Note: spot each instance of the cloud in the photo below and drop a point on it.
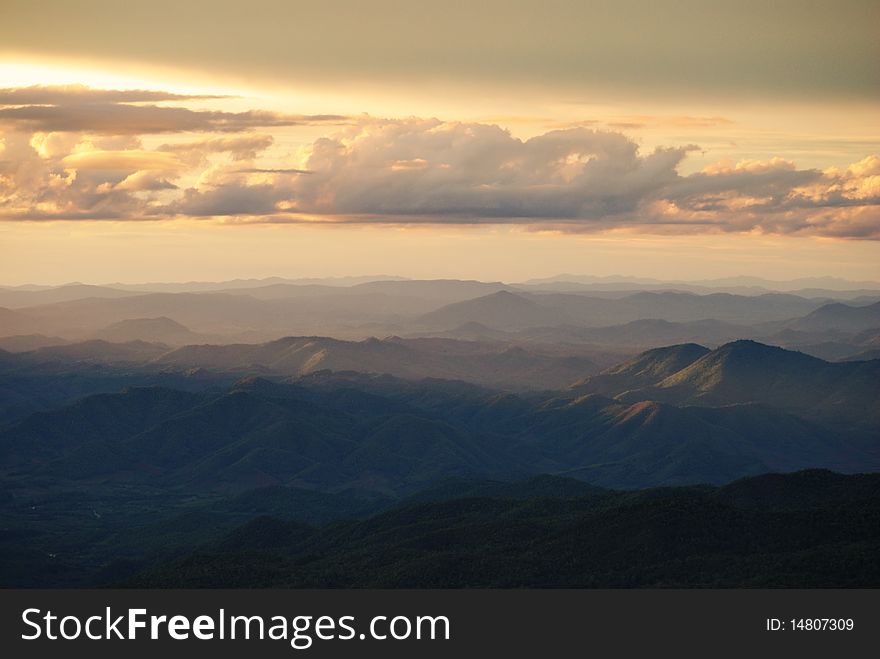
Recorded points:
(263, 170)
(674, 121)
(81, 94)
(46, 177)
(576, 179)
(230, 199)
(121, 119)
(76, 153)
(413, 170)
(129, 160)
(112, 112)
(465, 171)
(143, 181)
(244, 147)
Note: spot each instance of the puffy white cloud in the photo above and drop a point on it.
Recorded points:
(457, 172)
(143, 181)
(472, 171)
(425, 170)
(45, 177)
(127, 160)
(241, 147)
(576, 179)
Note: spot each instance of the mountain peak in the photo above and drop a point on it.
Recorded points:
(160, 321)
(840, 316)
(159, 329)
(499, 310)
(746, 349)
(658, 361)
(643, 370)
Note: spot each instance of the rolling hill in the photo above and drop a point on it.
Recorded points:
(387, 435)
(139, 459)
(684, 537)
(154, 330)
(501, 310)
(17, 298)
(743, 372)
(644, 370)
(506, 310)
(747, 371)
(97, 351)
(15, 323)
(28, 342)
(839, 316)
(484, 363)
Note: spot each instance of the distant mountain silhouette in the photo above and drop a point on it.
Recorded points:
(155, 330)
(16, 298)
(248, 311)
(643, 333)
(501, 310)
(99, 351)
(507, 310)
(414, 358)
(469, 331)
(652, 331)
(838, 316)
(27, 342)
(15, 323)
(444, 290)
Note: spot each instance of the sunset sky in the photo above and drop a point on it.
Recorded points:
(170, 141)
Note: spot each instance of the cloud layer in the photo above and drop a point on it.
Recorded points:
(575, 179)
(71, 153)
(81, 94)
(125, 112)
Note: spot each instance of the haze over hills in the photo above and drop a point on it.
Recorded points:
(196, 286)
(844, 317)
(498, 311)
(137, 427)
(397, 294)
(805, 286)
(17, 298)
(486, 363)
(158, 330)
(28, 342)
(519, 310)
(758, 408)
(232, 284)
(255, 311)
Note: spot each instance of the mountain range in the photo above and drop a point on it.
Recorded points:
(255, 312)
(679, 537)
(670, 416)
(495, 435)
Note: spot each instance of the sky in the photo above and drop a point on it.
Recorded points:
(171, 141)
